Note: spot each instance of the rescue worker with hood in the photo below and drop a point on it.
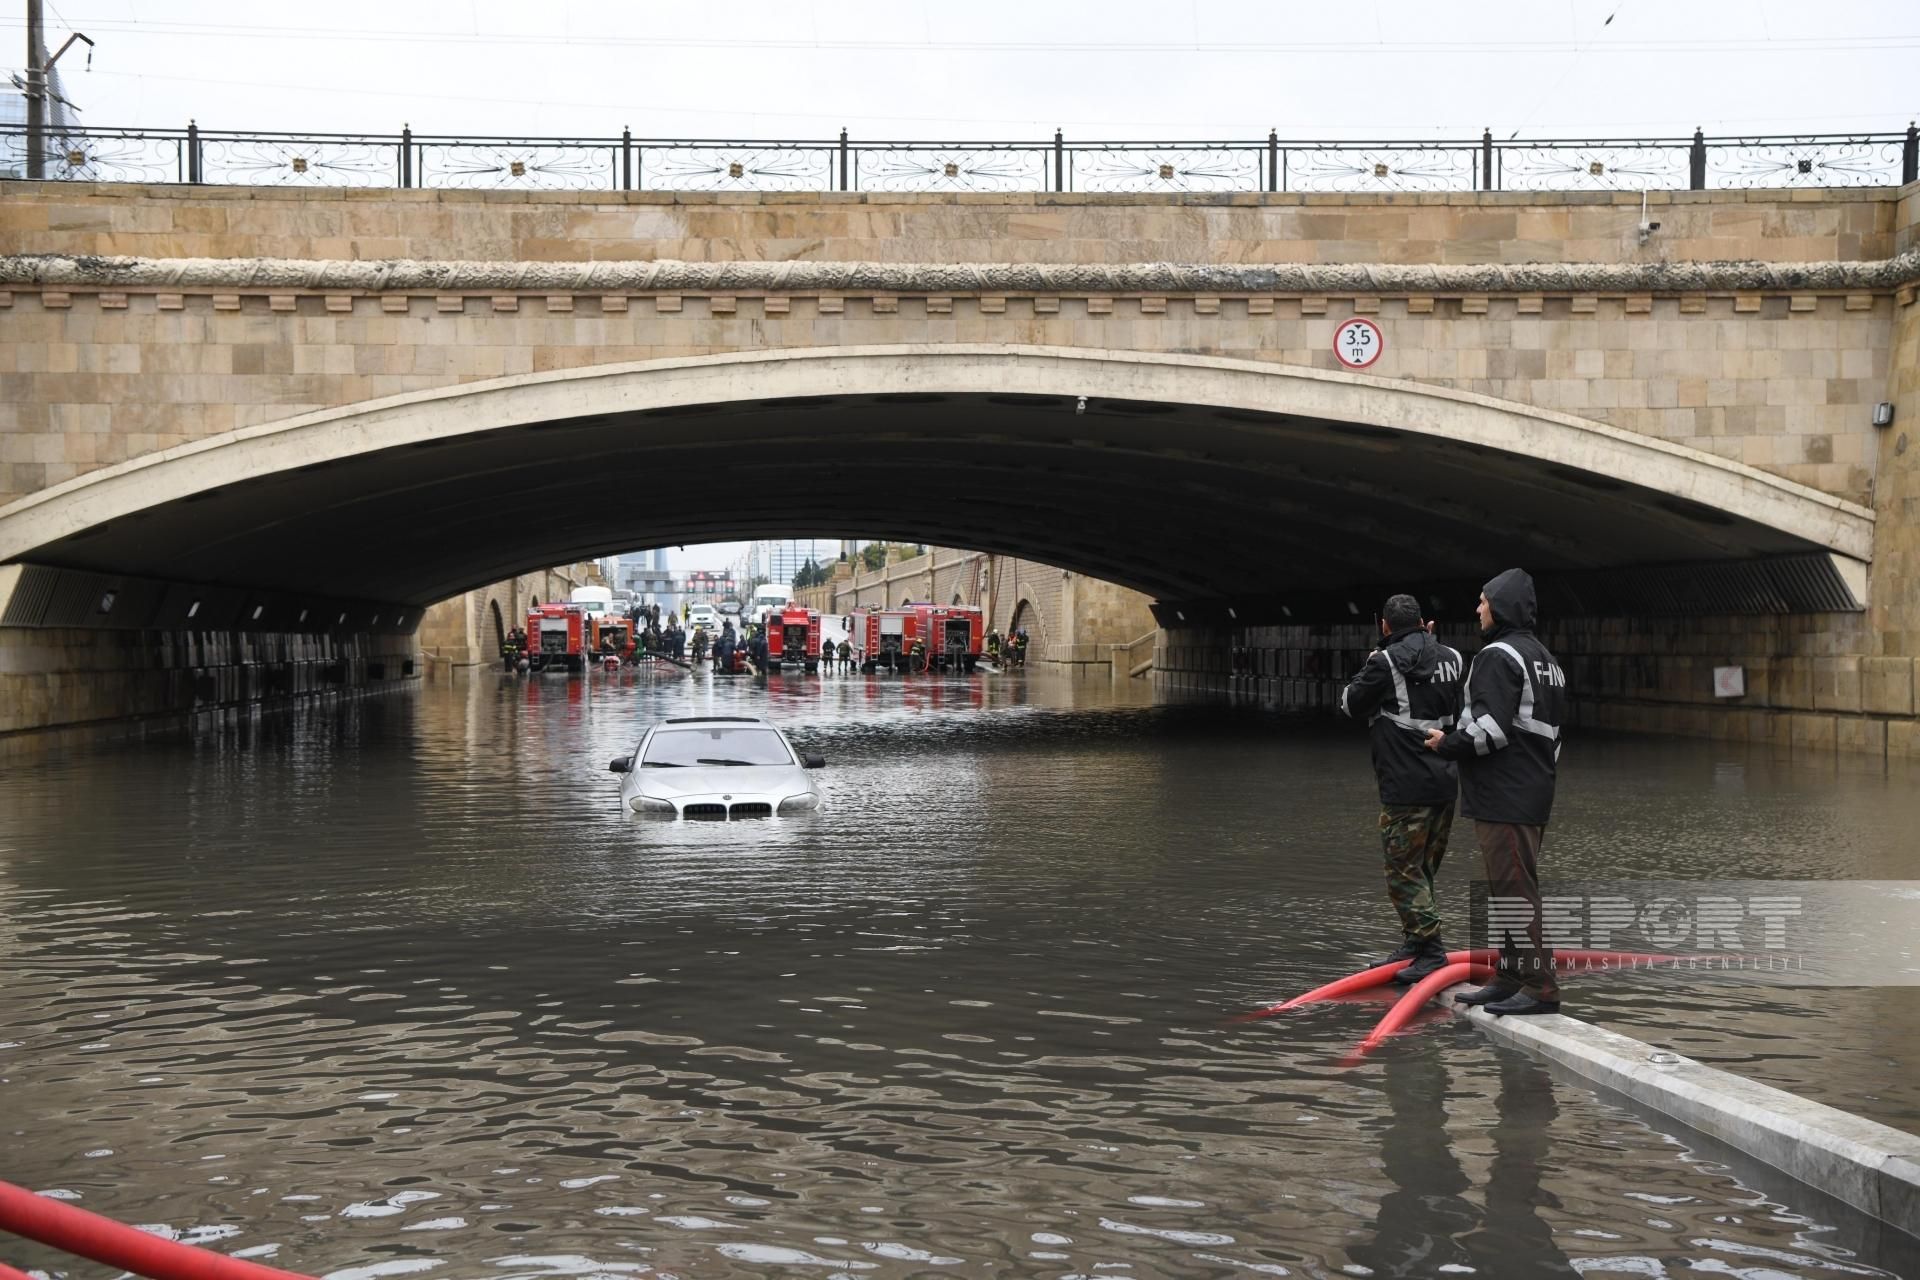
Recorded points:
(1508, 747)
(1410, 684)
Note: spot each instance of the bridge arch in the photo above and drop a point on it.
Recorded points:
(1187, 477)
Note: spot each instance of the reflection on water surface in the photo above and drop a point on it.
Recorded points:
(395, 988)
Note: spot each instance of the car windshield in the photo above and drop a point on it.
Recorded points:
(716, 745)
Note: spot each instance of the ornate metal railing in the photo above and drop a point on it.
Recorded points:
(627, 163)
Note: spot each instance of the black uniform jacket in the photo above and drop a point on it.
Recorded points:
(1508, 742)
(1407, 686)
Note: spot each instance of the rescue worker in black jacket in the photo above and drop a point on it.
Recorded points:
(1508, 747)
(1410, 684)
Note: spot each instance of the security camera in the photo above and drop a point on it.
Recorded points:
(1081, 405)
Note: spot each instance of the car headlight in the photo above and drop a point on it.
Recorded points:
(647, 804)
(801, 803)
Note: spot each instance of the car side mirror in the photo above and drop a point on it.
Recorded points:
(815, 762)
(620, 764)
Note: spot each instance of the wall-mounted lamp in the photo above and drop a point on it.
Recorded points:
(1883, 414)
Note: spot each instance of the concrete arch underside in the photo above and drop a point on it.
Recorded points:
(1193, 479)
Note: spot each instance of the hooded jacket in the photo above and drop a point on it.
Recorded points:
(1407, 686)
(1508, 741)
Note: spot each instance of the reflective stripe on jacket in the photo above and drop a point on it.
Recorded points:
(1408, 686)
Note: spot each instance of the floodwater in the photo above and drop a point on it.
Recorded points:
(395, 988)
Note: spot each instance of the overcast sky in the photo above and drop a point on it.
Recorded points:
(996, 69)
(993, 69)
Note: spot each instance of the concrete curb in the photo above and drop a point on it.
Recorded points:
(1870, 1166)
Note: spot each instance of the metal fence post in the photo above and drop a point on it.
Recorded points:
(1486, 159)
(1910, 155)
(626, 158)
(406, 155)
(193, 151)
(1273, 159)
(1697, 163)
(843, 160)
(1059, 161)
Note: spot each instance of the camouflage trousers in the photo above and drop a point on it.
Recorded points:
(1414, 837)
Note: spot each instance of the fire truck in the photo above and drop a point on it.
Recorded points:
(955, 636)
(557, 638)
(793, 638)
(949, 637)
(886, 637)
(610, 639)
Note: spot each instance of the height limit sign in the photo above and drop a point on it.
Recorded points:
(1358, 343)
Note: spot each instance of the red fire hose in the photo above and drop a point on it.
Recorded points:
(1417, 995)
(1380, 974)
(89, 1235)
(10, 1273)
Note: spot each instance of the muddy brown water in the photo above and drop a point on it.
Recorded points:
(395, 988)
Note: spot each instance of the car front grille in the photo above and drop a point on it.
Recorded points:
(753, 811)
(704, 811)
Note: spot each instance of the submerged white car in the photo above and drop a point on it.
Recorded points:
(716, 768)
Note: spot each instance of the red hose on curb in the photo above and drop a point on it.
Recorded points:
(1417, 995)
(88, 1235)
(10, 1273)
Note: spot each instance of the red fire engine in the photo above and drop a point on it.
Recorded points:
(922, 637)
(610, 639)
(557, 637)
(955, 636)
(793, 638)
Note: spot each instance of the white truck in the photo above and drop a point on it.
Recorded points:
(593, 601)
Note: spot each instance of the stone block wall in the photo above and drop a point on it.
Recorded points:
(1781, 380)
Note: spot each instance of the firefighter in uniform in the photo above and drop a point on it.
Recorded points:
(1508, 747)
(1410, 684)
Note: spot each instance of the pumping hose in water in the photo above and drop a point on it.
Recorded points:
(88, 1235)
(1381, 974)
(1417, 995)
(1461, 966)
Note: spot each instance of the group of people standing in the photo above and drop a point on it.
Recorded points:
(651, 636)
(1489, 746)
(1011, 651)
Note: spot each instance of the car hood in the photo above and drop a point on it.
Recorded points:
(736, 780)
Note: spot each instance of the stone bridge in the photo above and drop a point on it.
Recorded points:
(313, 413)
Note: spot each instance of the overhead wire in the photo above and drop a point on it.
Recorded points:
(1836, 44)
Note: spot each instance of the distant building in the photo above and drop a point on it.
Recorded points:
(62, 117)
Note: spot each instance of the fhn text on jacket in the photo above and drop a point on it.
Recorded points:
(1410, 684)
(1516, 704)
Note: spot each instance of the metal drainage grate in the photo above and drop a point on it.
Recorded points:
(753, 811)
(704, 811)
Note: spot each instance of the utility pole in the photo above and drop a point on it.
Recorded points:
(36, 92)
(40, 86)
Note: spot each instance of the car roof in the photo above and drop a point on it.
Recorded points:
(717, 720)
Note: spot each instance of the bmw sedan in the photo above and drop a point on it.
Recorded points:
(716, 768)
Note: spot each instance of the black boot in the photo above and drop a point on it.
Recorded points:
(1522, 1004)
(1405, 951)
(1498, 989)
(1430, 956)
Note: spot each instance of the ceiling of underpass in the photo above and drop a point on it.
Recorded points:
(1177, 501)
